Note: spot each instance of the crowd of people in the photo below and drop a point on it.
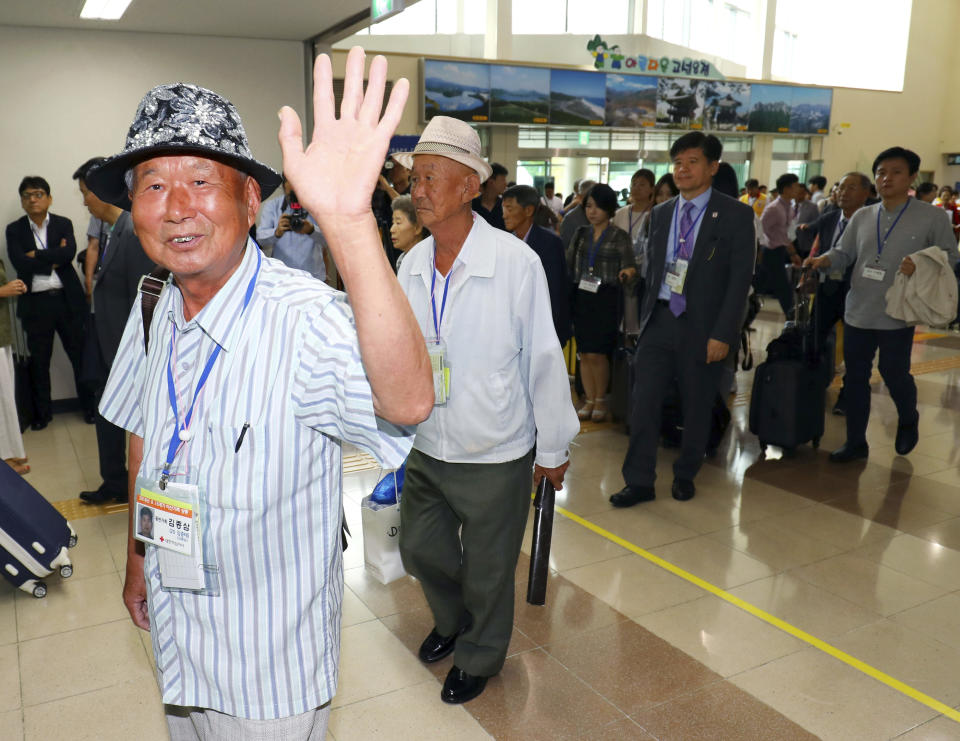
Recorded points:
(233, 388)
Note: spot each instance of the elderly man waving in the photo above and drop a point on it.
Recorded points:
(253, 376)
(500, 386)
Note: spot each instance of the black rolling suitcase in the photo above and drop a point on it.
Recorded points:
(789, 387)
(34, 536)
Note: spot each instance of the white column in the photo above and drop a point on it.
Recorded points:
(498, 42)
(768, 37)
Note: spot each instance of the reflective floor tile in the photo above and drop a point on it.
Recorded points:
(780, 549)
(916, 557)
(713, 561)
(938, 619)
(9, 678)
(384, 599)
(11, 725)
(71, 603)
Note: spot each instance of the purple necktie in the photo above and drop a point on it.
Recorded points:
(678, 302)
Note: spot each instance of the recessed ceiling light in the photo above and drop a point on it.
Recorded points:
(107, 10)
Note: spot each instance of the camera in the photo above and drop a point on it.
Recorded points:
(298, 214)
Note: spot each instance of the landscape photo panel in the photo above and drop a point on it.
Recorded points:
(519, 94)
(770, 107)
(726, 105)
(577, 98)
(457, 89)
(810, 112)
(680, 103)
(631, 101)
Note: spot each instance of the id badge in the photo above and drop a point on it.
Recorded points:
(441, 371)
(677, 275)
(871, 272)
(172, 520)
(590, 283)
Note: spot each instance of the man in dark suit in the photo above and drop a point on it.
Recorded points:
(120, 262)
(852, 194)
(41, 246)
(520, 204)
(489, 203)
(701, 263)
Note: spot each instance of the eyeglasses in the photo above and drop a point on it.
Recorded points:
(33, 195)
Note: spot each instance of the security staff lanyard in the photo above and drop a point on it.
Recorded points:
(681, 239)
(881, 243)
(594, 248)
(182, 433)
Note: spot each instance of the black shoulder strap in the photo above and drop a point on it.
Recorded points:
(151, 286)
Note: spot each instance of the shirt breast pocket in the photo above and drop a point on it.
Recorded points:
(238, 457)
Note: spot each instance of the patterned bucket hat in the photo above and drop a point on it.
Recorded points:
(181, 118)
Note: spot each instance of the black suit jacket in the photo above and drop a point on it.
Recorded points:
(826, 228)
(549, 248)
(121, 268)
(720, 270)
(61, 248)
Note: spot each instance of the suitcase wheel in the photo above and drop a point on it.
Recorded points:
(66, 571)
(73, 540)
(40, 590)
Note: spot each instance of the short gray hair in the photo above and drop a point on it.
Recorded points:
(865, 181)
(128, 179)
(585, 186)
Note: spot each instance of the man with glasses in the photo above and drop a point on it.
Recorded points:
(41, 246)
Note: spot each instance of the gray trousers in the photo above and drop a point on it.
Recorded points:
(202, 724)
(461, 529)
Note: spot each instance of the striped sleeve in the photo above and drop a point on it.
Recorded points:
(331, 392)
(120, 403)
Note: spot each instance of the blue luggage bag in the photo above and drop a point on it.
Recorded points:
(34, 536)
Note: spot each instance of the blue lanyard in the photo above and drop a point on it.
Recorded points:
(881, 243)
(438, 321)
(843, 225)
(176, 440)
(595, 247)
(679, 239)
(630, 216)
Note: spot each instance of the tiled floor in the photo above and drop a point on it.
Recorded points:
(865, 557)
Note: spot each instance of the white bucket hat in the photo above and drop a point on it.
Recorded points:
(451, 138)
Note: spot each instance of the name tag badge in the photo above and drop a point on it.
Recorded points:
(441, 371)
(590, 283)
(874, 273)
(677, 275)
(167, 520)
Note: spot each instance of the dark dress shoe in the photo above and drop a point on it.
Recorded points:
(90, 418)
(907, 437)
(848, 452)
(436, 647)
(102, 495)
(39, 424)
(683, 490)
(631, 495)
(461, 687)
(839, 410)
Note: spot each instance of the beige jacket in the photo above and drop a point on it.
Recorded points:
(929, 296)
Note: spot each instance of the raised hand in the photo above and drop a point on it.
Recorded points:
(334, 177)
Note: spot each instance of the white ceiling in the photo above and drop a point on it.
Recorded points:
(291, 20)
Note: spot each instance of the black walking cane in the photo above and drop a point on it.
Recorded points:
(543, 505)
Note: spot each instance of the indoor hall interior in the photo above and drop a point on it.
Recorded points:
(630, 645)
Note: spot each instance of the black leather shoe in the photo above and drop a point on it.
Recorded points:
(39, 424)
(101, 496)
(90, 417)
(839, 410)
(907, 437)
(461, 687)
(436, 647)
(631, 495)
(683, 490)
(848, 452)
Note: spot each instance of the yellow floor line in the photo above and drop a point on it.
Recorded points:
(776, 622)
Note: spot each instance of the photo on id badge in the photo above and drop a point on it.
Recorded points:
(677, 275)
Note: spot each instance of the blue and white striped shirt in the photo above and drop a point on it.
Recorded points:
(268, 646)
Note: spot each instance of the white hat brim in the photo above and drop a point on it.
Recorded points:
(481, 167)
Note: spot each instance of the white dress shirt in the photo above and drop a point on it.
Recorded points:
(508, 382)
(42, 283)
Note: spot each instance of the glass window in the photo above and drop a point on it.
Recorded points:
(656, 142)
(595, 139)
(807, 49)
(599, 16)
(543, 16)
(565, 139)
(417, 19)
(737, 143)
(474, 15)
(531, 137)
(791, 145)
(625, 140)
